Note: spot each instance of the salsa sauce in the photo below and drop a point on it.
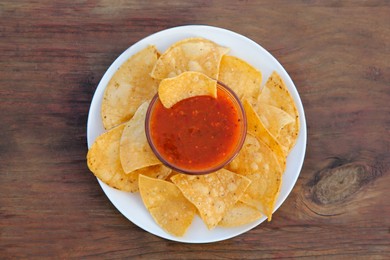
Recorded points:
(196, 133)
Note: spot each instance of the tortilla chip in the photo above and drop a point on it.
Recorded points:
(240, 76)
(264, 192)
(288, 135)
(191, 54)
(248, 160)
(103, 156)
(277, 122)
(275, 93)
(212, 194)
(129, 182)
(240, 214)
(173, 173)
(186, 85)
(135, 152)
(257, 128)
(103, 160)
(167, 205)
(129, 87)
(258, 163)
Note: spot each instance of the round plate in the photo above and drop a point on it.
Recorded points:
(130, 204)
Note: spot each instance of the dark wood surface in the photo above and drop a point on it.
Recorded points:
(52, 56)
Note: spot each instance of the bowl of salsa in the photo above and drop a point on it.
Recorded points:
(197, 135)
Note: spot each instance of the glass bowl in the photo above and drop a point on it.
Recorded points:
(235, 145)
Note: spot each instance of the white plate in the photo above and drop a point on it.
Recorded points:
(130, 205)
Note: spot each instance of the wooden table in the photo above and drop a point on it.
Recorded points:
(52, 56)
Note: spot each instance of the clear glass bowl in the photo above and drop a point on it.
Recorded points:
(227, 159)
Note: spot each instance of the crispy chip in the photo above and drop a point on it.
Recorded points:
(275, 93)
(135, 152)
(288, 135)
(129, 182)
(167, 205)
(191, 54)
(249, 159)
(173, 173)
(257, 162)
(240, 214)
(264, 192)
(240, 76)
(273, 118)
(257, 128)
(186, 85)
(129, 87)
(103, 156)
(212, 194)
(103, 160)
(278, 123)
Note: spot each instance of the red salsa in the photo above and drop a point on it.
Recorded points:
(196, 133)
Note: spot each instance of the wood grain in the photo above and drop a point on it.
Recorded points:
(52, 56)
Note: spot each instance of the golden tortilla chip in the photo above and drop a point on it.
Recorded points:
(250, 157)
(240, 76)
(273, 118)
(103, 160)
(258, 163)
(135, 152)
(240, 214)
(173, 173)
(103, 156)
(275, 93)
(289, 134)
(212, 194)
(186, 85)
(264, 192)
(277, 122)
(167, 205)
(129, 87)
(191, 54)
(129, 182)
(257, 128)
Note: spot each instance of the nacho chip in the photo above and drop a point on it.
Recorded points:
(264, 192)
(103, 156)
(250, 157)
(129, 87)
(129, 182)
(167, 205)
(240, 76)
(173, 173)
(240, 214)
(191, 54)
(186, 85)
(288, 135)
(277, 123)
(273, 118)
(258, 163)
(135, 152)
(103, 160)
(212, 194)
(275, 93)
(257, 128)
